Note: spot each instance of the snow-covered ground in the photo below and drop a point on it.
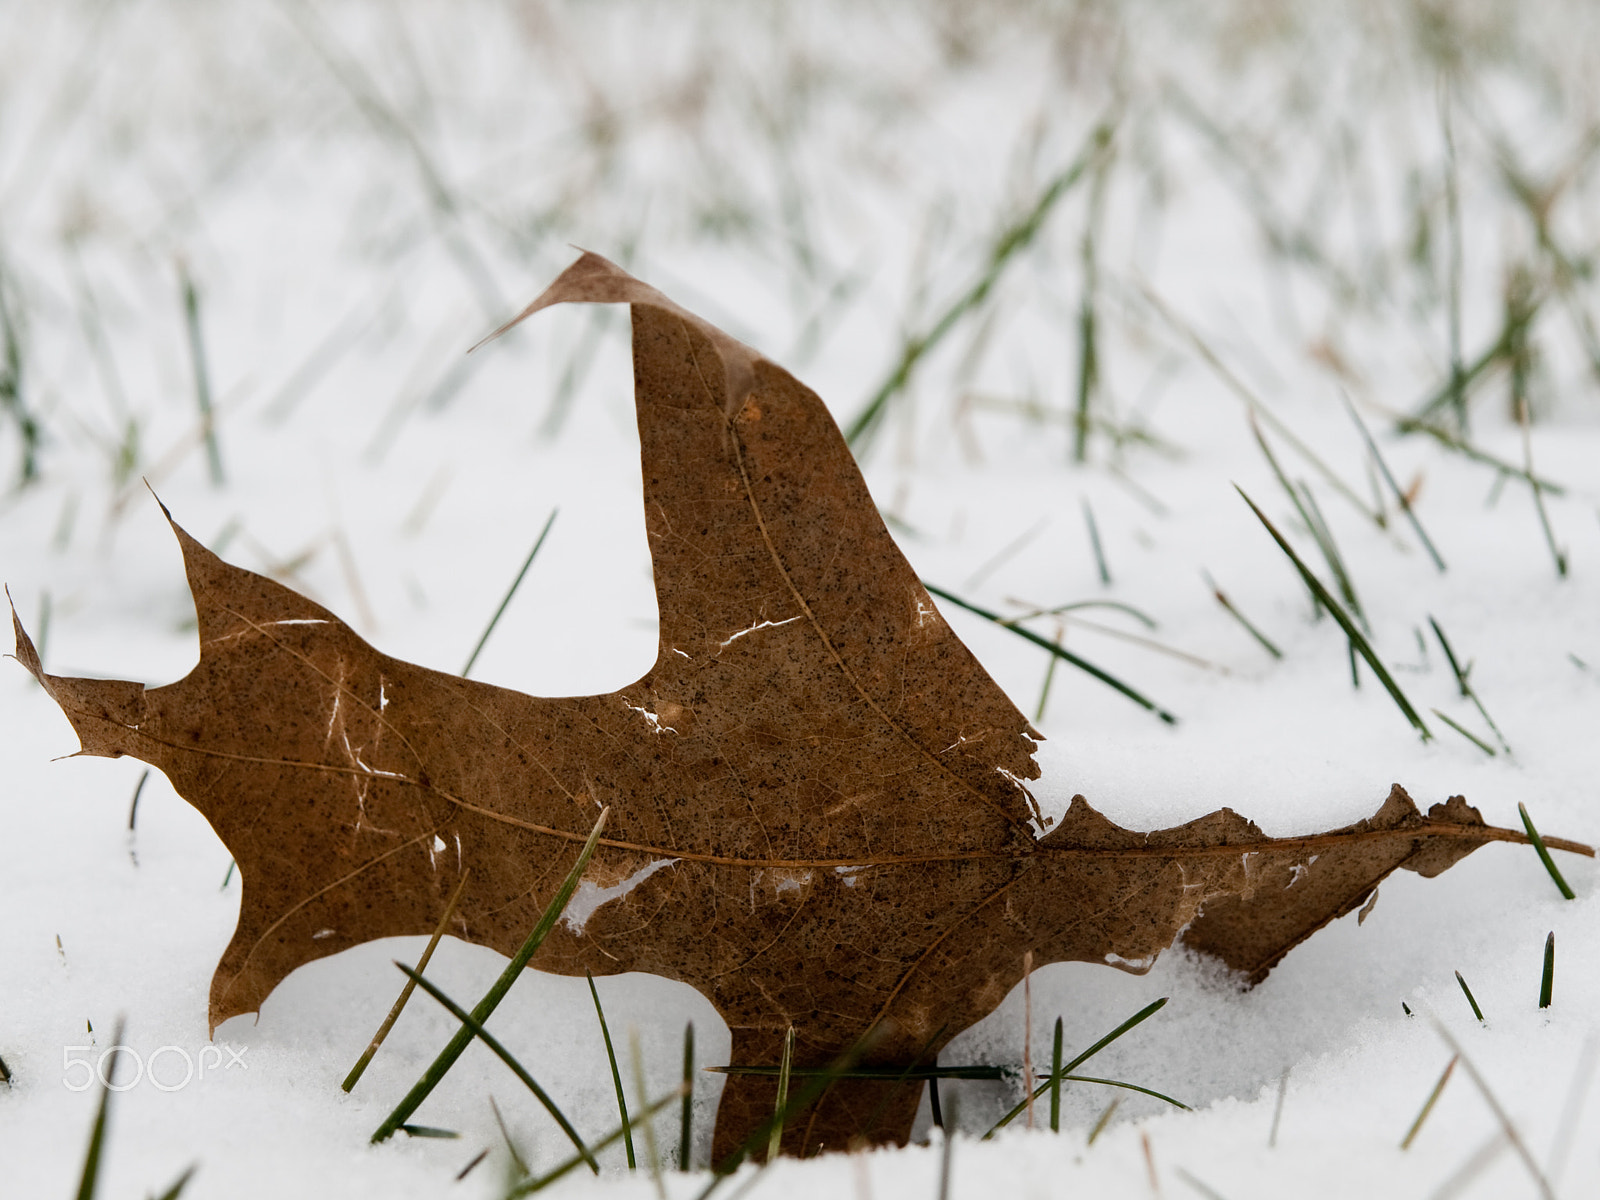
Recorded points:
(358, 192)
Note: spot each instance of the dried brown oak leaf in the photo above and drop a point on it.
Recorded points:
(818, 808)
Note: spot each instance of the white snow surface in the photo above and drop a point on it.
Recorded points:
(360, 191)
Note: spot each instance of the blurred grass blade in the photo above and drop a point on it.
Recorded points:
(12, 392)
(1558, 554)
(1049, 676)
(1388, 477)
(1472, 454)
(1012, 240)
(775, 1142)
(1283, 1094)
(1059, 651)
(517, 1160)
(616, 1075)
(472, 1164)
(1363, 647)
(1094, 543)
(528, 1187)
(798, 1102)
(89, 1180)
(1510, 1130)
(1427, 1105)
(651, 1148)
(1248, 626)
(505, 1056)
(1103, 1120)
(538, 542)
(202, 374)
(1088, 324)
(1143, 1014)
(178, 1184)
(1544, 853)
(947, 1150)
(1254, 406)
(356, 1071)
(1445, 394)
(1199, 1185)
(447, 1057)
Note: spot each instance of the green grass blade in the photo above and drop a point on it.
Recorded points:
(1464, 683)
(1330, 554)
(528, 1187)
(1055, 1081)
(981, 1071)
(1117, 1083)
(1547, 981)
(1060, 652)
(90, 1177)
(538, 543)
(1466, 733)
(1544, 853)
(447, 1057)
(1450, 657)
(1143, 1014)
(1471, 999)
(1357, 639)
(1556, 553)
(686, 1121)
(505, 1056)
(359, 1069)
(616, 1075)
(798, 1102)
